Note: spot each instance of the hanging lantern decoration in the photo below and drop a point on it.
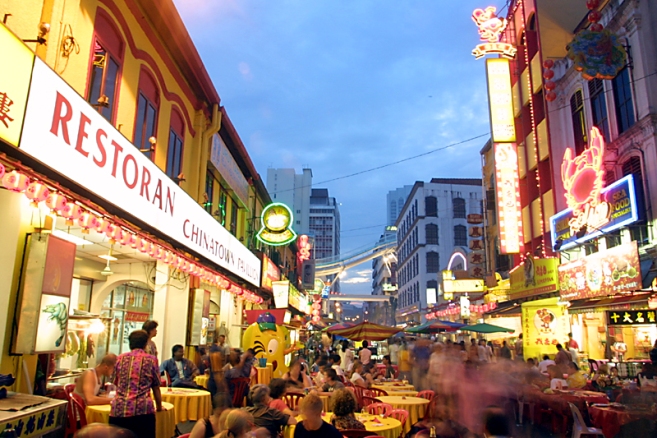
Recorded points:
(549, 85)
(37, 192)
(235, 289)
(144, 246)
(16, 182)
(2, 171)
(87, 221)
(56, 202)
(596, 52)
(72, 213)
(104, 224)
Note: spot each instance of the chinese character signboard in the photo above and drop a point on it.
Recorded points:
(602, 273)
(509, 212)
(500, 101)
(627, 317)
(14, 85)
(534, 277)
(270, 273)
(490, 30)
(544, 325)
(616, 208)
(281, 294)
(224, 162)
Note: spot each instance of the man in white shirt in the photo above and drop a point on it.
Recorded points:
(482, 351)
(336, 365)
(365, 354)
(544, 364)
(394, 352)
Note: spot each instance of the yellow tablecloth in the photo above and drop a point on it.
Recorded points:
(403, 393)
(190, 404)
(415, 406)
(265, 374)
(202, 381)
(385, 427)
(391, 387)
(165, 421)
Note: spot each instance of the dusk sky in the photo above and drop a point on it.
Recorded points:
(344, 86)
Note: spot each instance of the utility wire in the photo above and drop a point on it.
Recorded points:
(383, 166)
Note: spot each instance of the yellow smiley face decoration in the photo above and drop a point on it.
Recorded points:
(271, 341)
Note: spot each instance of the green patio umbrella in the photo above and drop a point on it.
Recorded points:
(434, 327)
(486, 328)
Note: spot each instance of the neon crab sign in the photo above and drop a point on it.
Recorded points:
(583, 180)
(593, 208)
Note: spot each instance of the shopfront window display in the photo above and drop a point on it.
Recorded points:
(128, 306)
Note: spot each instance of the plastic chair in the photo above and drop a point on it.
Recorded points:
(375, 392)
(186, 435)
(426, 394)
(69, 388)
(356, 433)
(348, 384)
(366, 401)
(402, 416)
(292, 400)
(240, 386)
(579, 426)
(359, 393)
(379, 408)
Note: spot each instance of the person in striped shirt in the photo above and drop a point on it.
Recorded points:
(137, 373)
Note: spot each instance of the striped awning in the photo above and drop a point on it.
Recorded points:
(366, 331)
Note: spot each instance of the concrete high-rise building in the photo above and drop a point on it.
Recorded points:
(324, 223)
(431, 225)
(292, 189)
(395, 202)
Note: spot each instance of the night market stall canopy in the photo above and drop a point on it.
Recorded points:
(339, 326)
(435, 327)
(486, 328)
(365, 331)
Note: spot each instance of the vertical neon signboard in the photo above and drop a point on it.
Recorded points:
(509, 213)
(500, 100)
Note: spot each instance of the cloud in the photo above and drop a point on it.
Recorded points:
(344, 86)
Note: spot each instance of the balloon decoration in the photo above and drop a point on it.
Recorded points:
(596, 52)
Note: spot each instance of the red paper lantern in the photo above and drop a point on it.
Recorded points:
(2, 171)
(87, 221)
(592, 4)
(103, 225)
(551, 96)
(596, 27)
(16, 182)
(56, 202)
(37, 192)
(548, 63)
(486, 308)
(144, 246)
(548, 73)
(72, 213)
(594, 16)
(550, 85)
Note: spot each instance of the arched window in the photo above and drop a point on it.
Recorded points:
(433, 262)
(105, 69)
(175, 147)
(623, 100)
(431, 234)
(579, 124)
(148, 101)
(460, 235)
(431, 206)
(599, 106)
(458, 205)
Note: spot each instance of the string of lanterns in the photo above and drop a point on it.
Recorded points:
(75, 214)
(455, 309)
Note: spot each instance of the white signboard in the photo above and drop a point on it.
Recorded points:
(223, 160)
(281, 294)
(62, 131)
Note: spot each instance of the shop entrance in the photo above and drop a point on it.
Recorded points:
(126, 308)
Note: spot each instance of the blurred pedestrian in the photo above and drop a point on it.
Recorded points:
(520, 356)
(505, 351)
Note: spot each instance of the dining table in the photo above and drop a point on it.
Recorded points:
(165, 420)
(202, 380)
(386, 427)
(393, 386)
(190, 404)
(415, 406)
(263, 374)
(611, 417)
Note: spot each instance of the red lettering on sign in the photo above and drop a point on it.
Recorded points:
(101, 148)
(130, 158)
(145, 181)
(82, 134)
(61, 119)
(117, 149)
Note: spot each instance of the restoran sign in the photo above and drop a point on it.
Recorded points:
(509, 212)
(65, 133)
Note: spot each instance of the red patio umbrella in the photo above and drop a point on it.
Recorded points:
(339, 326)
(365, 331)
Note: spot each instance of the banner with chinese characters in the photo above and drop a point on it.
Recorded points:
(544, 325)
(534, 277)
(507, 196)
(602, 274)
(631, 317)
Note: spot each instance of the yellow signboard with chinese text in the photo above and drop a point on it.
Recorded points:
(500, 100)
(534, 277)
(544, 325)
(15, 78)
